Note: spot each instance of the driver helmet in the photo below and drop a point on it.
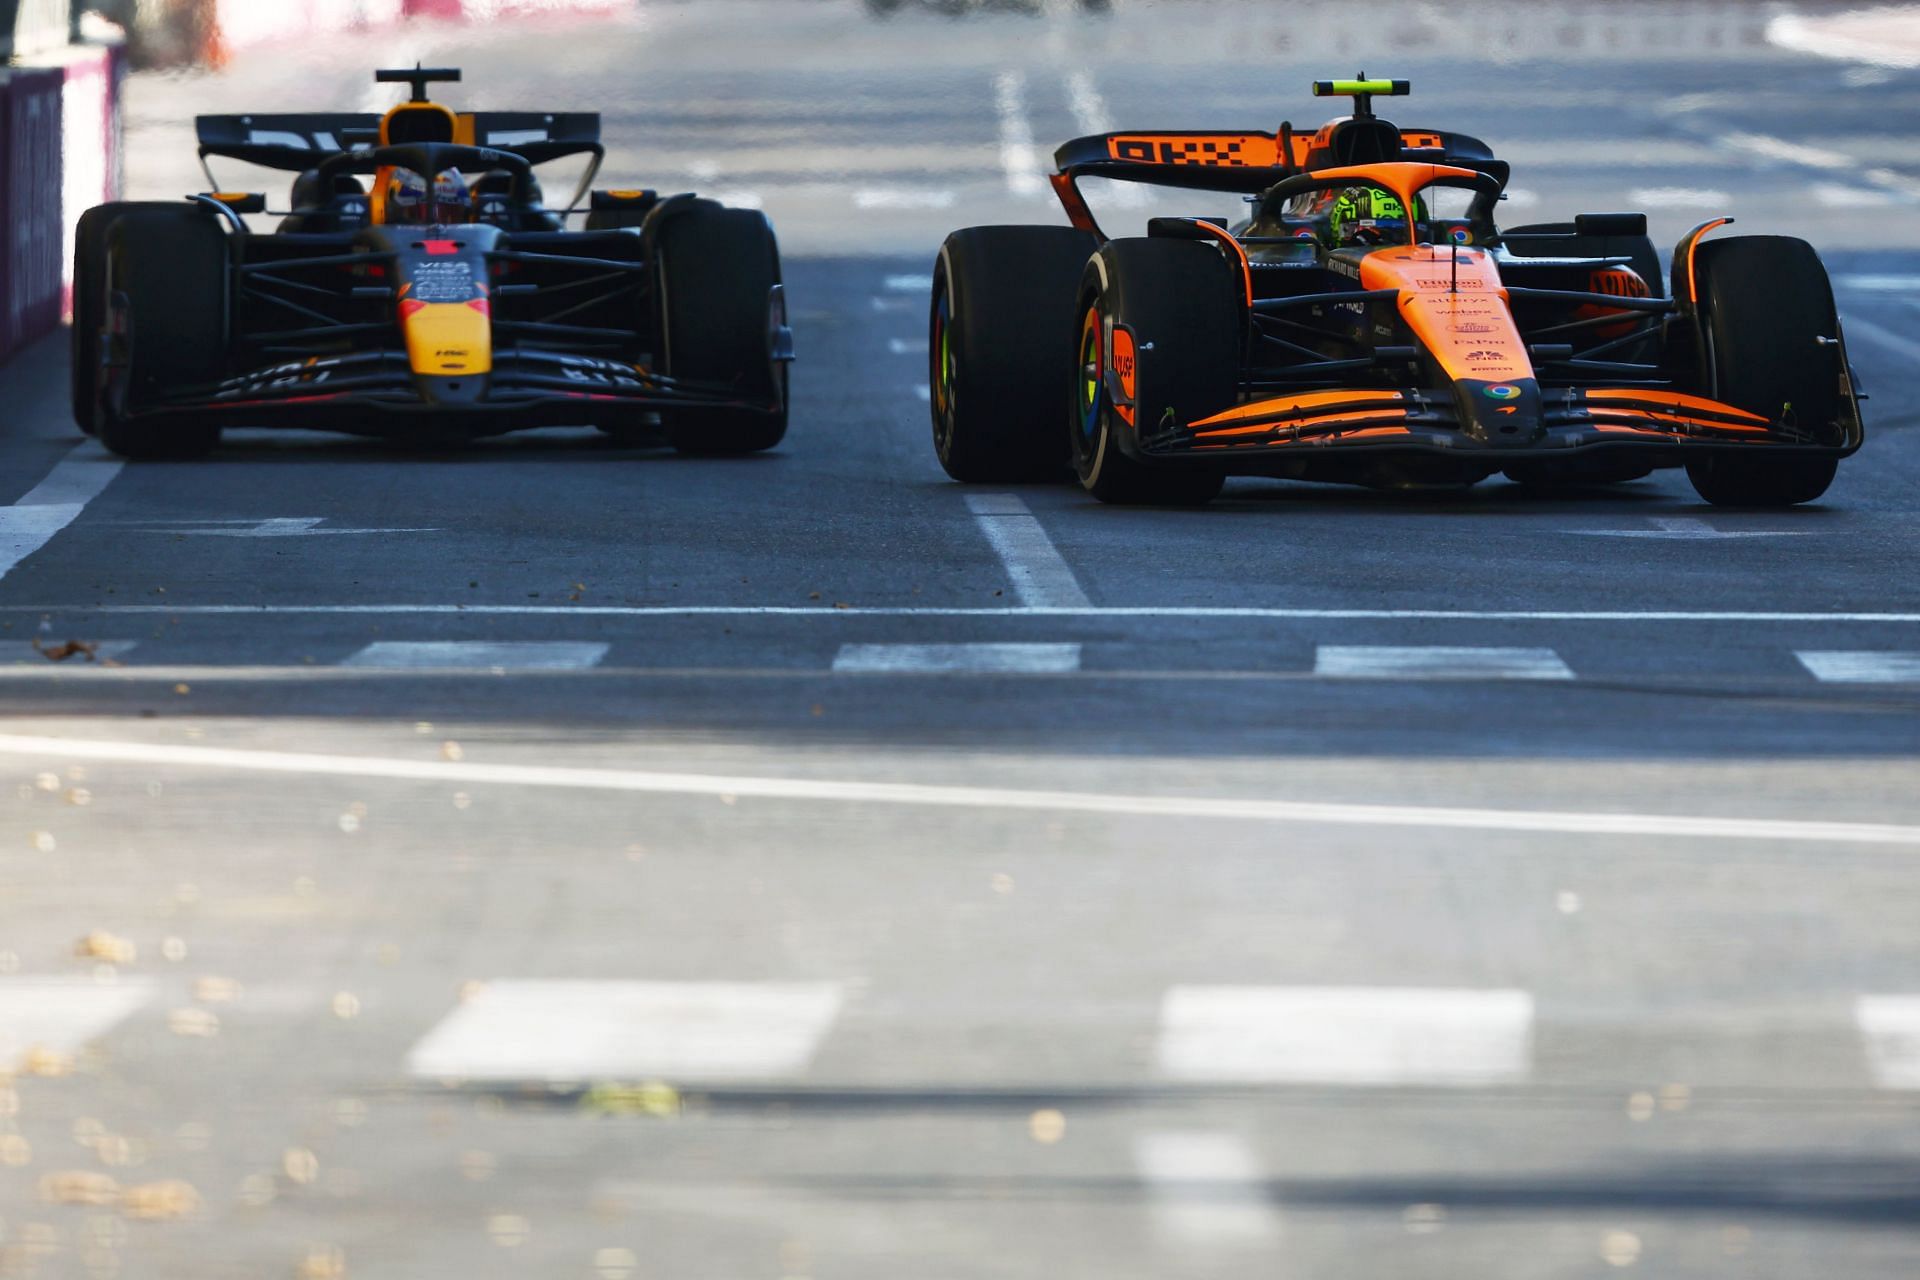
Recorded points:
(411, 199)
(1366, 214)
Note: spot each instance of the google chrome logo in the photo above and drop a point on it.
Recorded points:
(1503, 392)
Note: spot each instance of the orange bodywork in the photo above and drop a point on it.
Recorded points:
(1458, 310)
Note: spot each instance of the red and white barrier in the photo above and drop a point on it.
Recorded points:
(60, 125)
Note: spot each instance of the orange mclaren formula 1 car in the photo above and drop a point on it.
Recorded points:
(1370, 323)
(419, 286)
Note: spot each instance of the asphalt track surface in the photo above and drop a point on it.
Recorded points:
(548, 859)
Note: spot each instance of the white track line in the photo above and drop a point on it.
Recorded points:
(907, 346)
(1890, 1030)
(54, 503)
(1861, 666)
(1437, 662)
(1019, 157)
(1346, 1035)
(1222, 613)
(902, 198)
(484, 655)
(605, 1030)
(1205, 1191)
(648, 782)
(962, 659)
(62, 1014)
(1041, 577)
(1880, 336)
(908, 284)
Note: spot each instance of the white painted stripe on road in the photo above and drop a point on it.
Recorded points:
(1881, 336)
(1678, 198)
(1688, 529)
(908, 284)
(1437, 662)
(903, 198)
(971, 659)
(1019, 158)
(479, 655)
(60, 1015)
(1205, 1190)
(1890, 1031)
(54, 503)
(907, 346)
(923, 393)
(1772, 148)
(1041, 577)
(676, 1031)
(1878, 283)
(1888, 36)
(647, 782)
(1346, 1035)
(1861, 666)
(1222, 612)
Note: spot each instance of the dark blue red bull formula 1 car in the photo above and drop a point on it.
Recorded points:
(420, 286)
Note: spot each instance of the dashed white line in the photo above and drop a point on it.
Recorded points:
(923, 393)
(1772, 148)
(1223, 613)
(907, 346)
(1346, 1035)
(1879, 282)
(908, 284)
(1678, 198)
(54, 503)
(1899, 344)
(1438, 662)
(61, 1015)
(903, 198)
(1687, 529)
(971, 659)
(606, 1030)
(1019, 158)
(1040, 575)
(1630, 826)
(1861, 666)
(1890, 1032)
(1205, 1190)
(479, 655)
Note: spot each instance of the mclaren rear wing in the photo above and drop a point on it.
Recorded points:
(1238, 163)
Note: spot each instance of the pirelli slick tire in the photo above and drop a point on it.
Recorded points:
(999, 336)
(715, 271)
(1175, 300)
(170, 264)
(90, 307)
(1767, 321)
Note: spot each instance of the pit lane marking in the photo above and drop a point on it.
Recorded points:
(588, 1030)
(956, 659)
(479, 655)
(1437, 662)
(1019, 157)
(1370, 1036)
(53, 504)
(60, 1015)
(1860, 666)
(1206, 1191)
(1632, 827)
(1041, 577)
(1223, 613)
(1890, 1031)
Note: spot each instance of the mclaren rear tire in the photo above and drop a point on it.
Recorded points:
(998, 329)
(1176, 300)
(170, 264)
(1768, 321)
(715, 274)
